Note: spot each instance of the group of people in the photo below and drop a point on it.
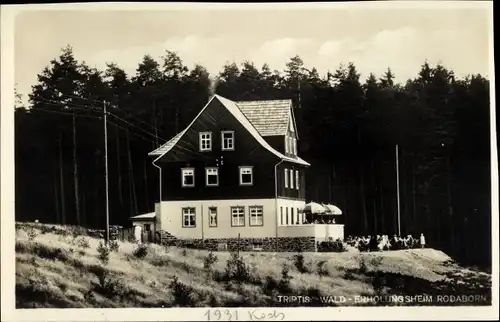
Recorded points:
(383, 242)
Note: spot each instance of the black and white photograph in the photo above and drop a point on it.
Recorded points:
(249, 162)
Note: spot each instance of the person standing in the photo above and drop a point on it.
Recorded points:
(422, 240)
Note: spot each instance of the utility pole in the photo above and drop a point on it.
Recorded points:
(397, 178)
(106, 171)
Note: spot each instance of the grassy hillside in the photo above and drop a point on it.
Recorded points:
(62, 267)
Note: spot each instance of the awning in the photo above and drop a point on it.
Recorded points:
(314, 208)
(334, 210)
(150, 215)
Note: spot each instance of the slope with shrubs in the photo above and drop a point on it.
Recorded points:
(62, 267)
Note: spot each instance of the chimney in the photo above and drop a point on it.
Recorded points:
(214, 81)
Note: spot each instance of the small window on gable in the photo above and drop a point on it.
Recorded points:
(246, 176)
(286, 144)
(294, 140)
(227, 140)
(212, 176)
(297, 179)
(187, 177)
(291, 179)
(205, 141)
(286, 178)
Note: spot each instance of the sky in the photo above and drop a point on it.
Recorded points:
(373, 39)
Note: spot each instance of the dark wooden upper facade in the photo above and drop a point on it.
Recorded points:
(248, 151)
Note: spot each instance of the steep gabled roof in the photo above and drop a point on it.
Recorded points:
(235, 110)
(268, 117)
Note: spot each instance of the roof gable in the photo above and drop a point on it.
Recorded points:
(269, 117)
(235, 110)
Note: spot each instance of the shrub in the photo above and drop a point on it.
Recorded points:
(107, 286)
(184, 252)
(159, 260)
(32, 233)
(141, 251)
(322, 269)
(103, 253)
(32, 261)
(113, 288)
(298, 261)
(332, 246)
(362, 265)
(183, 294)
(83, 242)
(274, 287)
(209, 260)
(284, 283)
(50, 253)
(114, 246)
(376, 261)
(237, 270)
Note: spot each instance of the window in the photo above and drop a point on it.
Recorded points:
(286, 144)
(286, 215)
(297, 179)
(256, 215)
(299, 217)
(281, 216)
(212, 216)
(188, 177)
(188, 217)
(286, 178)
(291, 179)
(293, 215)
(237, 216)
(205, 141)
(246, 176)
(212, 176)
(294, 140)
(227, 140)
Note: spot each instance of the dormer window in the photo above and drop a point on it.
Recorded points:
(212, 177)
(227, 140)
(205, 141)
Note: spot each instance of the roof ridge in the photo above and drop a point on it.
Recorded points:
(280, 100)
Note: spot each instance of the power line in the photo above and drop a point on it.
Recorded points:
(127, 130)
(100, 102)
(94, 117)
(58, 103)
(123, 120)
(64, 113)
(87, 109)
